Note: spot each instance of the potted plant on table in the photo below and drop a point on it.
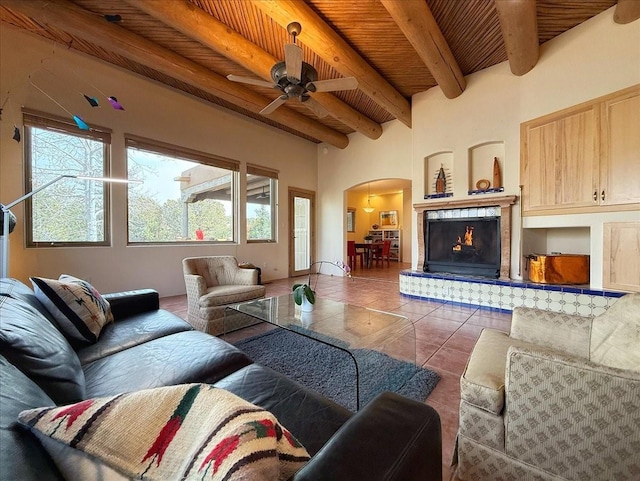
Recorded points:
(368, 239)
(304, 295)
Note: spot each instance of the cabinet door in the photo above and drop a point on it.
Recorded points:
(621, 262)
(620, 152)
(559, 164)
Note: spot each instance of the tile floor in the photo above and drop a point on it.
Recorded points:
(445, 333)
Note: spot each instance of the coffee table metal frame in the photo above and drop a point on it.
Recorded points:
(341, 326)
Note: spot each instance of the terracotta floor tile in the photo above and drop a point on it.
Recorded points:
(434, 330)
(424, 351)
(447, 391)
(448, 359)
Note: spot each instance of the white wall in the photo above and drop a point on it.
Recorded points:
(364, 160)
(593, 59)
(153, 111)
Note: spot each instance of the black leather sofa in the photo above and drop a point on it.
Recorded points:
(392, 438)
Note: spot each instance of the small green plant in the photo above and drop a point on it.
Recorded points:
(305, 290)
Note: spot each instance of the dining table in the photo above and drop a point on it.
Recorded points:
(369, 249)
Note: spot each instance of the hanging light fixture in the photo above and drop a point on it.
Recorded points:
(368, 209)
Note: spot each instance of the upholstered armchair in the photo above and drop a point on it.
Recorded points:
(214, 282)
(556, 399)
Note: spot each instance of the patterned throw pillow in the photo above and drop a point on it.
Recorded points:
(79, 310)
(189, 431)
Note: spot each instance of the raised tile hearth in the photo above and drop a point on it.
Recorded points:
(504, 295)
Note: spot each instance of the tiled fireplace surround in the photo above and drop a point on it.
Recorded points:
(501, 294)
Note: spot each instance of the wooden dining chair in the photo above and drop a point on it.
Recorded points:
(383, 253)
(353, 254)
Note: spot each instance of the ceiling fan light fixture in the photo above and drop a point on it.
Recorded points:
(263, 195)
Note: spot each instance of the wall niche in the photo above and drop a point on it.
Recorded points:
(438, 175)
(486, 168)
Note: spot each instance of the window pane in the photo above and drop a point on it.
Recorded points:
(70, 210)
(179, 200)
(261, 194)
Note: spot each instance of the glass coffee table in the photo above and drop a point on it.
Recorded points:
(342, 326)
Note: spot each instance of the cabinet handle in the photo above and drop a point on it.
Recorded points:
(602, 195)
(595, 195)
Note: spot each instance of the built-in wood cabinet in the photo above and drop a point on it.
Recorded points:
(393, 235)
(621, 256)
(620, 149)
(584, 158)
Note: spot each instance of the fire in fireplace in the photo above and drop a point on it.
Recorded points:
(463, 246)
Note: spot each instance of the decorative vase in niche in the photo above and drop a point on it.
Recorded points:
(306, 305)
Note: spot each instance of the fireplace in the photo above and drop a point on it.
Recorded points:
(469, 246)
(469, 208)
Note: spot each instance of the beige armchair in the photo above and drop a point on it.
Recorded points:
(214, 282)
(556, 399)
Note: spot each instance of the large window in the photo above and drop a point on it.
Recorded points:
(261, 204)
(70, 211)
(185, 195)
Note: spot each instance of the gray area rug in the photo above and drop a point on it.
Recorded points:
(331, 372)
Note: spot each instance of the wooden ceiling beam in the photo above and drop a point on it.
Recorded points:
(197, 24)
(626, 11)
(519, 24)
(324, 41)
(68, 17)
(417, 24)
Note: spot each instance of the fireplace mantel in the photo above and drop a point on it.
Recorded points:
(504, 202)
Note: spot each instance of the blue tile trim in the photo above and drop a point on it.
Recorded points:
(513, 283)
(439, 195)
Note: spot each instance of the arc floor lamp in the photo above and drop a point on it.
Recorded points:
(6, 215)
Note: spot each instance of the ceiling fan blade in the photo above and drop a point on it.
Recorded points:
(274, 105)
(293, 61)
(316, 107)
(347, 83)
(251, 81)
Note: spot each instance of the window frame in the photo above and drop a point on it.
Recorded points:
(273, 202)
(183, 153)
(40, 120)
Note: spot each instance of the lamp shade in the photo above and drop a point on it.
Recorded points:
(12, 221)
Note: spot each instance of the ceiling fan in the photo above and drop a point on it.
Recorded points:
(296, 79)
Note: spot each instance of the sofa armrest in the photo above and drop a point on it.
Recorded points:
(562, 332)
(571, 417)
(391, 438)
(129, 303)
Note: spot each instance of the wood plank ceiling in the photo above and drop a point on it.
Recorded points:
(395, 48)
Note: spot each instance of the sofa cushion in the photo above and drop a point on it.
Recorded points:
(17, 393)
(184, 432)
(78, 308)
(615, 335)
(184, 357)
(230, 294)
(310, 417)
(34, 345)
(482, 383)
(126, 333)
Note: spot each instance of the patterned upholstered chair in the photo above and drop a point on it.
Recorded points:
(214, 282)
(556, 399)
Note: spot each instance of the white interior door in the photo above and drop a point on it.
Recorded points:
(301, 231)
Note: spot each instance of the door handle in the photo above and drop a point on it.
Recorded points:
(595, 195)
(602, 195)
